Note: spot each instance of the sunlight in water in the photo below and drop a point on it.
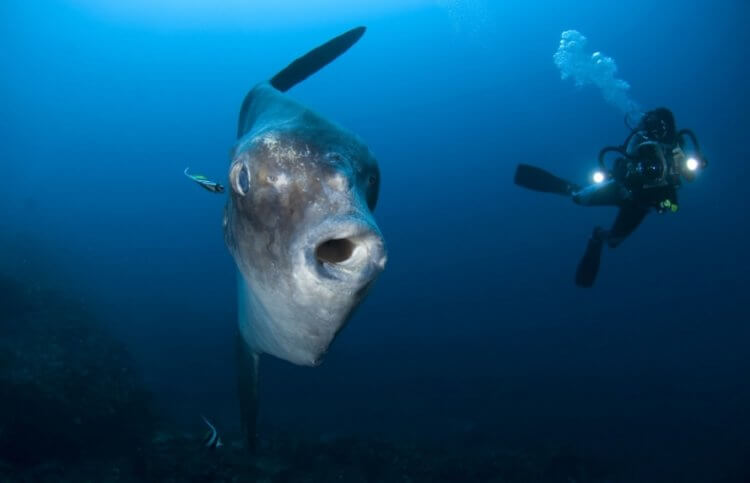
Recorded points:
(468, 17)
(250, 13)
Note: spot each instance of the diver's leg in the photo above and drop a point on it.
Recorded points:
(588, 267)
(608, 193)
(628, 219)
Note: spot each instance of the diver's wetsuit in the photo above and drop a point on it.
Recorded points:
(646, 180)
(645, 176)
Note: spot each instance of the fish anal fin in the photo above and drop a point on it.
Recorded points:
(247, 386)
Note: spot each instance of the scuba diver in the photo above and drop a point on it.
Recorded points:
(644, 176)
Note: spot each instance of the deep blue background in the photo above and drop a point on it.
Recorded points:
(476, 325)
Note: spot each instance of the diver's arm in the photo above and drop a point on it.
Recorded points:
(681, 134)
(688, 165)
(678, 156)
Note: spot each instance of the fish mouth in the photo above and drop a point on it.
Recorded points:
(346, 250)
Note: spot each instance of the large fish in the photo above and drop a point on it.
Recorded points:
(299, 225)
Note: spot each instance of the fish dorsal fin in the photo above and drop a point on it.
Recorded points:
(316, 59)
(247, 379)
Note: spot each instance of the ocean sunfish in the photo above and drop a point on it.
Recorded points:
(299, 224)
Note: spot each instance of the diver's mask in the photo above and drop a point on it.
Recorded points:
(657, 131)
(658, 125)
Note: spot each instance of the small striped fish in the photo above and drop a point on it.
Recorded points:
(205, 183)
(212, 439)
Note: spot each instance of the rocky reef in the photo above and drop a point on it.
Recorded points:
(69, 392)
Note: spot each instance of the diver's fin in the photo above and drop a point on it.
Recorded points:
(247, 386)
(537, 179)
(316, 59)
(588, 267)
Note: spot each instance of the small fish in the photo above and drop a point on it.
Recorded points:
(205, 183)
(212, 439)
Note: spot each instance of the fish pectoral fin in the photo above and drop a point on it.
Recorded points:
(316, 59)
(247, 387)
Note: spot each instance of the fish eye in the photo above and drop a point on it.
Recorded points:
(244, 180)
(240, 178)
(372, 179)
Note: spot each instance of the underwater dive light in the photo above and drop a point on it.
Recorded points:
(692, 164)
(598, 177)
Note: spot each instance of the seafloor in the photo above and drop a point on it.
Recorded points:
(73, 408)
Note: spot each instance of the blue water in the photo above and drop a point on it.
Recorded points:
(476, 324)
